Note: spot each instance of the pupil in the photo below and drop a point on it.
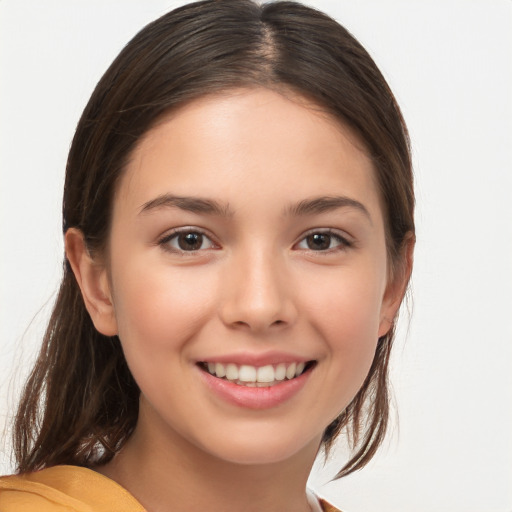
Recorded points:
(190, 241)
(319, 241)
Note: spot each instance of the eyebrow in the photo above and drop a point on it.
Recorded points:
(191, 204)
(326, 203)
(312, 206)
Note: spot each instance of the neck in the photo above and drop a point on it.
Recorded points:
(165, 472)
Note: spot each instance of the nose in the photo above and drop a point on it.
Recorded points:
(258, 294)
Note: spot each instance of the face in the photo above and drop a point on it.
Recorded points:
(247, 274)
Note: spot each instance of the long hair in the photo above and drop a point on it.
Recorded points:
(80, 404)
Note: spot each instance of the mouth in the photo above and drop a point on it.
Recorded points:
(257, 376)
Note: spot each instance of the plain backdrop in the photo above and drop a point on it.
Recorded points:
(449, 63)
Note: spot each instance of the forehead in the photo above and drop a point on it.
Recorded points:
(268, 143)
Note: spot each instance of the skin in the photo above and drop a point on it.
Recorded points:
(255, 286)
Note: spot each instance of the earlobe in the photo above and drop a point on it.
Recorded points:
(385, 325)
(93, 281)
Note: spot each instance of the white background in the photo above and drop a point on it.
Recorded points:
(450, 64)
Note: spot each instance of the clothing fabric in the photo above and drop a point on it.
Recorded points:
(76, 489)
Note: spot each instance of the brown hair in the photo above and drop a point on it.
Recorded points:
(80, 404)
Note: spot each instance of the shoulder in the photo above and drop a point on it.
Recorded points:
(64, 489)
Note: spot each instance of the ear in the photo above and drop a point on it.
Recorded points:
(93, 281)
(397, 286)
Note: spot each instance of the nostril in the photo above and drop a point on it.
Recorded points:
(241, 323)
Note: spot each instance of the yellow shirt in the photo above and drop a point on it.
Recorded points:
(71, 489)
(65, 489)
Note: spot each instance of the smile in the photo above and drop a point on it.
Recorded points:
(254, 376)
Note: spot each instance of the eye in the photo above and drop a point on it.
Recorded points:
(187, 241)
(323, 241)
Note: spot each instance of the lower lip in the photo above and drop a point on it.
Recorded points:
(254, 397)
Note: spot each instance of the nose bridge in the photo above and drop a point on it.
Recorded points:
(258, 295)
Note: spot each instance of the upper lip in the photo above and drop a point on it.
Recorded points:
(252, 359)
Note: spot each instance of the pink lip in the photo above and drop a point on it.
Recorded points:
(255, 398)
(256, 359)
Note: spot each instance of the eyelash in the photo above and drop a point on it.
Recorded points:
(342, 242)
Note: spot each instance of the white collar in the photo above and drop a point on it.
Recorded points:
(313, 501)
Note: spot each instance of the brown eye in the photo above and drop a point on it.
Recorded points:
(190, 241)
(318, 241)
(187, 241)
(323, 241)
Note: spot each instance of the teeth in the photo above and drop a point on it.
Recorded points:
(232, 372)
(253, 376)
(247, 373)
(280, 372)
(266, 374)
(290, 371)
(220, 371)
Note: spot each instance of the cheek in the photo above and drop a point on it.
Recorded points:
(345, 308)
(342, 308)
(158, 307)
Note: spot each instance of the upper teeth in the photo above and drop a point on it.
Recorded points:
(262, 374)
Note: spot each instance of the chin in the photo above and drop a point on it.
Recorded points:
(263, 450)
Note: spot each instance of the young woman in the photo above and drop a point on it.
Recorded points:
(238, 222)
